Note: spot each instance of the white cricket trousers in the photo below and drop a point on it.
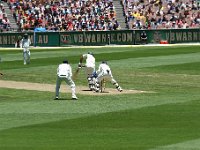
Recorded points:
(68, 81)
(26, 55)
(106, 77)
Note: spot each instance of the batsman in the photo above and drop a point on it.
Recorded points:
(89, 67)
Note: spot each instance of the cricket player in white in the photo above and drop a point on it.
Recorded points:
(104, 72)
(89, 67)
(26, 42)
(64, 73)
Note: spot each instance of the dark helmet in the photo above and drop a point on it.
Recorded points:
(104, 62)
(26, 36)
(90, 53)
(65, 61)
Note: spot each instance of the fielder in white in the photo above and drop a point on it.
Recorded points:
(104, 73)
(26, 42)
(64, 73)
(89, 67)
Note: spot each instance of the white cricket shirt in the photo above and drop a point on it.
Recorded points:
(90, 60)
(64, 70)
(104, 69)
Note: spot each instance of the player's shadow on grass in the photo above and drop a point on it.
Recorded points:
(63, 99)
(94, 92)
(104, 92)
(87, 90)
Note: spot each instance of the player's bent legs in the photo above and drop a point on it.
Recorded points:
(98, 81)
(114, 82)
(93, 81)
(58, 82)
(106, 78)
(71, 83)
(89, 73)
(28, 56)
(24, 57)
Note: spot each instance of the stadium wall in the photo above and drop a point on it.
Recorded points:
(91, 38)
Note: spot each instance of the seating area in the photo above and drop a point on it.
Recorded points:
(162, 14)
(65, 15)
(4, 21)
(100, 15)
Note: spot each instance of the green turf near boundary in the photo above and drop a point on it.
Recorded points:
(124, 54)
(131, 129)
(126, 61)
(165, 119)
(190, 68)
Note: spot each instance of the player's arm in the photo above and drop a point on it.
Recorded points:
(58, 70)
(99, 69)
(81, 60)
(22, 43)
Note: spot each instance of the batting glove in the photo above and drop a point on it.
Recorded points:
(79, 65)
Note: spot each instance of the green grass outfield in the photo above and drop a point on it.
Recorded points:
(167, 119)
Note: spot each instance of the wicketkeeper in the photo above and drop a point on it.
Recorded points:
(104, 73)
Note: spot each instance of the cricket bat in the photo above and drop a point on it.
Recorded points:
(76, 73)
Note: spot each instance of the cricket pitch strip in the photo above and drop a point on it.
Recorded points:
(64, 88)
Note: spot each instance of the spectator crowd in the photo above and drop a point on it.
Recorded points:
(100, 15)
(162, 14)
(65, 15)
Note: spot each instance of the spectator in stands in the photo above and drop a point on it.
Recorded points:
(159, 14)
(4, 21)
(40, 28)
(79, 14)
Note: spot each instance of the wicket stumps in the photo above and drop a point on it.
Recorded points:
(103, 85)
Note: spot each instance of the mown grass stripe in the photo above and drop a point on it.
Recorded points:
(27, 104)
(135, 53)
(186, 145)
(143, 128)
(33, 120)
(140, 55)
(165, 60)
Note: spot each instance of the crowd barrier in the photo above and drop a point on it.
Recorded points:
(91, 38)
